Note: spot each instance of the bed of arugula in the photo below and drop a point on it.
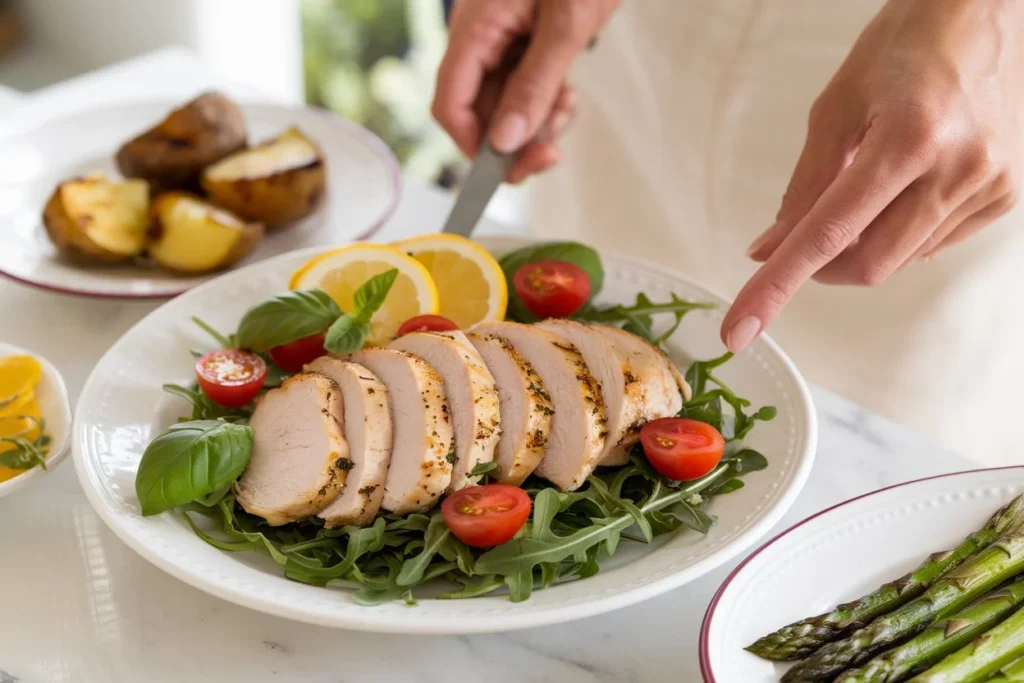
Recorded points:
(191, 466)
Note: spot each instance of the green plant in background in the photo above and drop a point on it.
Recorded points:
(374, 62)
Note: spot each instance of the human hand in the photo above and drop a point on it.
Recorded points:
(914, 146)
(489, 84)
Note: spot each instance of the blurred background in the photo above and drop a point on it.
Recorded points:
(372, 61)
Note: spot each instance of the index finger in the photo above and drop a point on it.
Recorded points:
(459, 78)
(881, 170)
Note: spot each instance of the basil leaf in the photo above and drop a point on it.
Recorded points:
(191, 460)
(347, 334)
(286, 318)
(571, 252)
(369, 297)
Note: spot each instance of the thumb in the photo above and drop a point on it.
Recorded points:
(534, 85)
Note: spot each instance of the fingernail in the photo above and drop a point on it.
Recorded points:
(762, 240)
(742, 333)
(509, 133)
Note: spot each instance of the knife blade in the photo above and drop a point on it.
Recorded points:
(488, 172)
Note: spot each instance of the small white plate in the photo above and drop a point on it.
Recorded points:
(363, 189)
(122, 408)
(55, 408)
(838, 555)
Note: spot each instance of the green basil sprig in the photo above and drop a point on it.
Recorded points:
(190, 461)
(285, 318)
(348, 332)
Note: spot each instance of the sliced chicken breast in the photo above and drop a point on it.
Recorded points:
(471, 395)
(525, 408)
(368, 432)
(422, 449)
(620, 388)
(579, 424)
(662, 387)
(299, 451)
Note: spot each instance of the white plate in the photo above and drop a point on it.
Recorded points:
(363, 188)
(122, 409)
(55, 408)
(838, 555)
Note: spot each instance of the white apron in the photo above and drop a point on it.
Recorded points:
(691, 117)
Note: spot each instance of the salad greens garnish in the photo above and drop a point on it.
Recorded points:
(284, 319)
(348, 332)
(193, 465)
(191, 460)
(27, 453)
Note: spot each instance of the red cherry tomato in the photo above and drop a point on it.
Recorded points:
(231, 377)
(552, 289)
(291, 357)
(426, 323)
(485, 516)
(682, 449)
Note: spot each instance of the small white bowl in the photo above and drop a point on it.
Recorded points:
(56, 410)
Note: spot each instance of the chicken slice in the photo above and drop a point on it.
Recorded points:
(525, 409)
(579, 424)
(471, 393)
(299, 450)
(662, 387)
(620, 388)
(368, 432)
(422, 449)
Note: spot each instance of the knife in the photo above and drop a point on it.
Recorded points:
(488, 172)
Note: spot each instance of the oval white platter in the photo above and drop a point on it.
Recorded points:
(55, 407)
(363, 189)
(122, 408)
(838, 555)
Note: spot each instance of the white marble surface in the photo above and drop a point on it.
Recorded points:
(77, 605)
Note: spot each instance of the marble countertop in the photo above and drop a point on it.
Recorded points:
(78, 605)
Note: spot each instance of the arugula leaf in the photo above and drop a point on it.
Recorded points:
(746, 460)
(203, 407)
(225, 342)
(191, 460)
(473, 587)
(483, 468)
(285, 318)
(414, 568)
(349, 332)
(26, 454)
(572, 252)
(637, 318)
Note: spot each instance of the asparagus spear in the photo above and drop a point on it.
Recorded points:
(939, 639)
(997, 563)
(978, 660)
(1014, 673)
(800, 639)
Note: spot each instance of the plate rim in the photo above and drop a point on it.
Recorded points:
(497, 622)
(371, 139)
(57, 454)
(703, 646)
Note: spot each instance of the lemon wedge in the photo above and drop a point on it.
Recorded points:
(18, 377)
(470, 283)
(340, 272)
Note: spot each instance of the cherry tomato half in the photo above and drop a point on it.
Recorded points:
(291, 357)
(682, 449)
(231, 377)
(426, 323)
(552, 289)
(485, 516)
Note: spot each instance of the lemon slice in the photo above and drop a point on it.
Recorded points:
(18, 376)
(341, 272)
(470, 283)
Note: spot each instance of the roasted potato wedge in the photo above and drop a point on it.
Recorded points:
(174, 153)
(276, 183)
(190, 235)
(98, 220)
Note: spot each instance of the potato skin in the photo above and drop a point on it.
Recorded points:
(70, 238)
(174, 153)
(252, 234)
(276, 200)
